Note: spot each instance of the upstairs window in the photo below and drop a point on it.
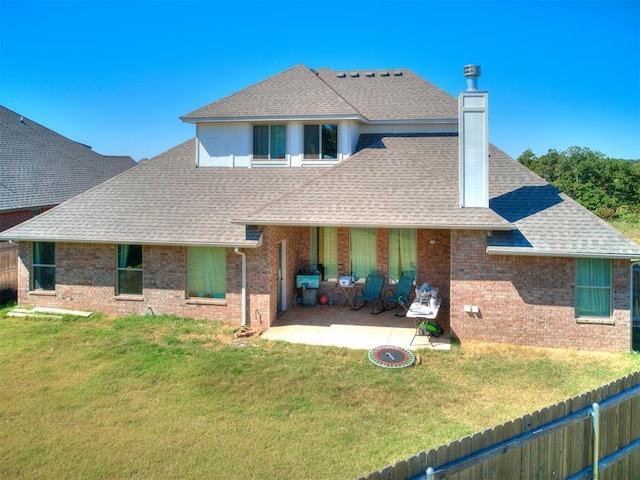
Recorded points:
(269, 142)
(593, 287)
(43, 274)
(129, 270)
(321, 142)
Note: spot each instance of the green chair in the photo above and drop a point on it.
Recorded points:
(399, 296)
(371, 293)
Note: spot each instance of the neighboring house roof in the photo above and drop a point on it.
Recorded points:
(39, 167)
(372, 95)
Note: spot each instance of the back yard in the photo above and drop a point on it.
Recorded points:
(162, 397)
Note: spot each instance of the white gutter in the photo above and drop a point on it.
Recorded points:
(244, 285)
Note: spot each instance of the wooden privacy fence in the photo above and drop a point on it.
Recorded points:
(8, 270)
(557, 442)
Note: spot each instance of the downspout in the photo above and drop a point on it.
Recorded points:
(244, 285)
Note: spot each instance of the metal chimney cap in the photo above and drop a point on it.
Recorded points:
(472, 70)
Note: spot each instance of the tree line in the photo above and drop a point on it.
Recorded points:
(609, 187)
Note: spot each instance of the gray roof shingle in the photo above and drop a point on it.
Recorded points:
(395, 181)
(391, 95)
(403, 181)
(374, 95)
(296, 92)
(39, 167)
(166, 200)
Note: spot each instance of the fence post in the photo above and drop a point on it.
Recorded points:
(430, 473)
(595, 414)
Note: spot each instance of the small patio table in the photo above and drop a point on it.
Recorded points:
(419, 311)
(346, 289)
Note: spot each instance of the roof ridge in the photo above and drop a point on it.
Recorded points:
(335, 91)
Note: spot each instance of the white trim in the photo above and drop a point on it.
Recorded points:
(528, 252)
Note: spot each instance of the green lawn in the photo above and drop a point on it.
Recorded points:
(162, 397)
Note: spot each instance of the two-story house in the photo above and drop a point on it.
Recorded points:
(347, 172)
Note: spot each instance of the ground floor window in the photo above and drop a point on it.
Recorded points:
(206, 272)
(635, 282)
(43, 272)
(402, 252)
(324, 251)
(593, 287)
(363, 251)
(130, 265)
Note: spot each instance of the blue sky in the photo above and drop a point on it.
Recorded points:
(116, 75)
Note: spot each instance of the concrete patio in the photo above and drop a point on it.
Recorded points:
(339, 326)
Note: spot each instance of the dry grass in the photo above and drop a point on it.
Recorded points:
(162, 397)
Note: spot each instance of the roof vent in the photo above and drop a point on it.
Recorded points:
(369, 74)
(397, 73)
(341, 75)
(384, 74)
(472, 73)
(354, 74)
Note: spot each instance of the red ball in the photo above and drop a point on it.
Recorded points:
(324, 299)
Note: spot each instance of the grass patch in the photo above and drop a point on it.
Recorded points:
(167, 397)
(630, 228)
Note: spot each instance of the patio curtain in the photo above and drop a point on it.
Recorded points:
(402, 252)
(593, 287)
(206, 272)
(363, 251)
(328, 251)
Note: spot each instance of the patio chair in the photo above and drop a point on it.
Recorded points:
(398, 296)
(371, 293)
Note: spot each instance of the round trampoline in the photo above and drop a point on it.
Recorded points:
(389, 356)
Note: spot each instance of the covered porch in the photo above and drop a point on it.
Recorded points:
(339, 326)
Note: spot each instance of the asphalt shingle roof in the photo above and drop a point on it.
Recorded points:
(395, 181)
(373, 95)
(39, 167)
(166, 200)
(296, 92)
(547, 221)
(391, 95)
(403, 181)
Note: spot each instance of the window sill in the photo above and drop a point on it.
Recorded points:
(129, 298)
(206, 301)
(43, 293)
(596, 320)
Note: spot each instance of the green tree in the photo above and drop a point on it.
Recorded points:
(609, 187)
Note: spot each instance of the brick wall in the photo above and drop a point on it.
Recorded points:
(528, 300)
(86, 278)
